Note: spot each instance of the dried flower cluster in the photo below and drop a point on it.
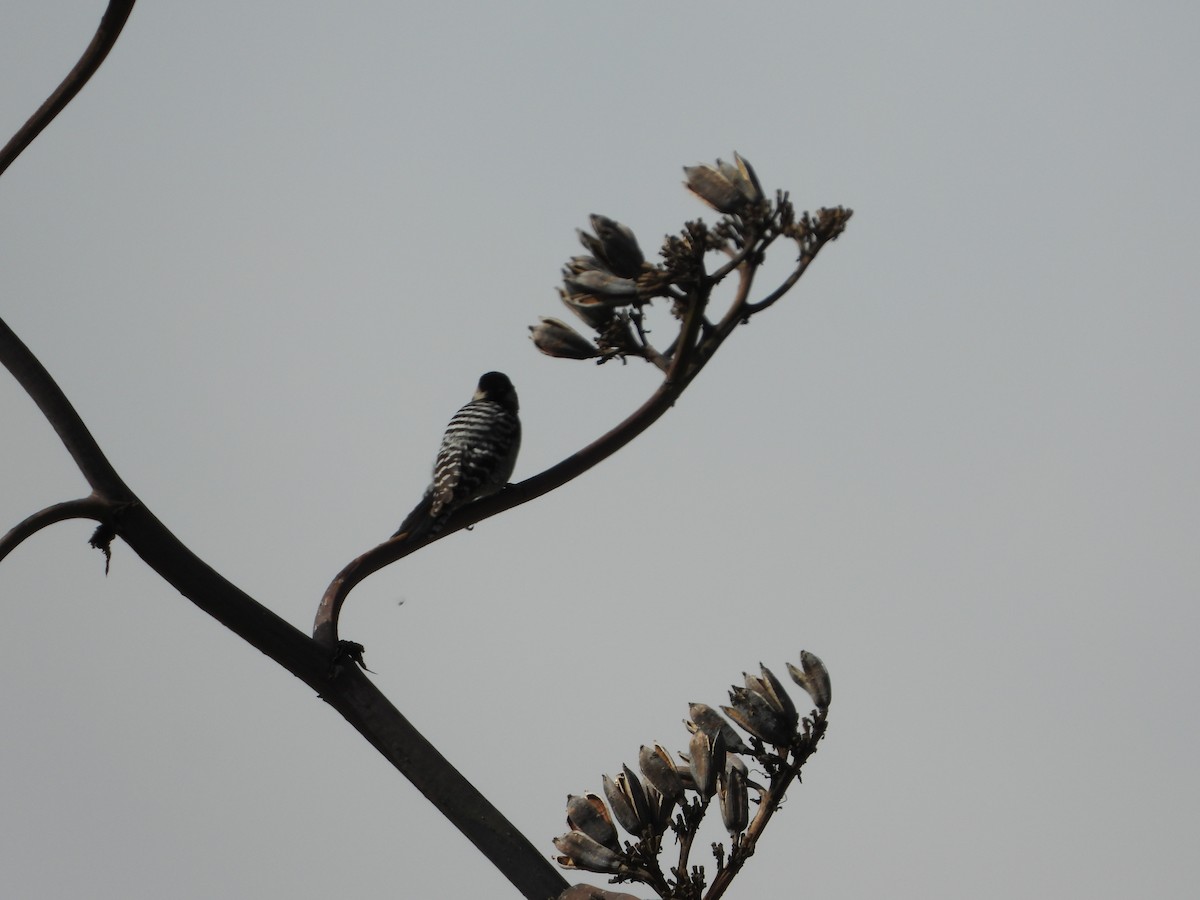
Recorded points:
(676, 793)
(610, 287)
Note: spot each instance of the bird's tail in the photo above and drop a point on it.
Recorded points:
(419, 522)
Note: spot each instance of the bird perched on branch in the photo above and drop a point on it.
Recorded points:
(478, 452)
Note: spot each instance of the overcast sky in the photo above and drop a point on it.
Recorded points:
(270, 248)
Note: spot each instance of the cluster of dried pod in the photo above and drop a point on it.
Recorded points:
(676, 793)
(607, 287)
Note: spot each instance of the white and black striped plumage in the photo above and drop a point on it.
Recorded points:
(477, 456)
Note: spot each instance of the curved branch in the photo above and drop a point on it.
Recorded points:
(770, 803)
(91, 507)
(25, 367)
(325, 625)
(751, 308)
(107, 32)
(827, 226)
(351, 694)
(33, 377)
(688, 358)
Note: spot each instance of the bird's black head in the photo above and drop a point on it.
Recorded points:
(496, 387)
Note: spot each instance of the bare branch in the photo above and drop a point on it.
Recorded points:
(352, 695)
(325, 626)
(771, 801)
(91, 507)
(691, 350)
(107, 32)
(59, 412)
(650, 354)
(812, 236)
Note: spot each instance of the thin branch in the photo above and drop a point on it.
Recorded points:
(107, 32)
(325, 626)
(787, 285)
(736, 314)
(687, 336)
(736, 259)
(687, 358)
(648, 352)
(828, 226)
(92, 507)
(33, 377)
(351, 694)
(769, 804)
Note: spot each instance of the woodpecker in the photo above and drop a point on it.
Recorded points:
(478, 452)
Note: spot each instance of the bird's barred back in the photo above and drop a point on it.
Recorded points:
(477, 456)
(481, 424)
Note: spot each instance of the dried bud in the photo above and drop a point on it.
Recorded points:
(590, 892)
(591, 309)
(742, 175)
(629, 803)
(581, 852)
(660, 809)
(658, 767)
(735, 800)
(772, 689)
(589, 815)
(577, 264)
(713, 188)
(705, 718)
(726, 187)
(556, 338)
(604, 285)
(751, 712)
(814, 678)
(615, 245)
(707, 759)
(621, 808)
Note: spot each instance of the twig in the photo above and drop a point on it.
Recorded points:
(90, 507)
(107, 32)
(33, 377)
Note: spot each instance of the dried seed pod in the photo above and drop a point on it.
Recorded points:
(582, 852)
(742, 177)
(777, 696)
(627, 796)
(636, 792)
(591, 892)
(577, 264)
(617, 246)
(602, 284)
(707, 760)
(660, 809)
(622, 809)
(708, 720)
(591, 309)
(726, 187)
(814, 678)
(659, 768)
(714, 188)
(556, 338)
(753, 189)
(589, 815)
(735, 800)
(751, 712)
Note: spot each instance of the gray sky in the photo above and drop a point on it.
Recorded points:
(270, 248)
